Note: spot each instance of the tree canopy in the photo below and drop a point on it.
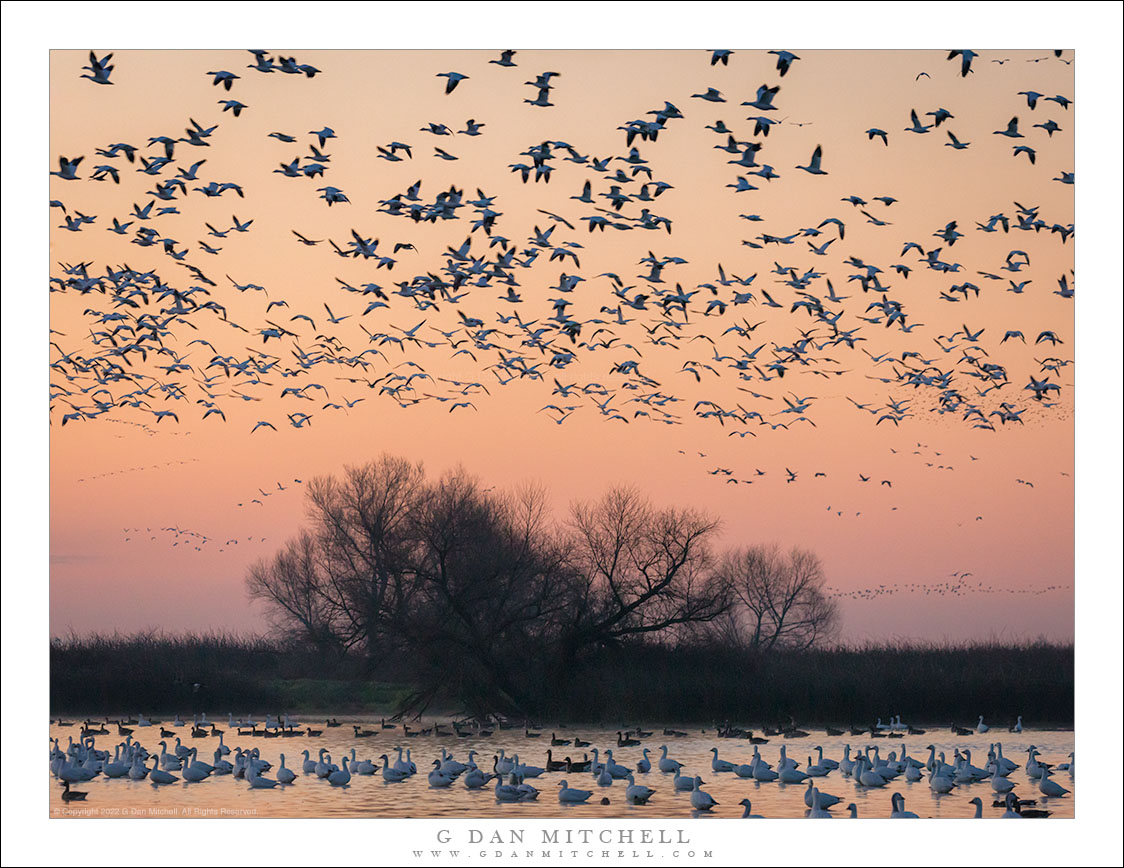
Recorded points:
(486, 598)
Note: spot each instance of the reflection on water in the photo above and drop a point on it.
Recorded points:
(371, 796)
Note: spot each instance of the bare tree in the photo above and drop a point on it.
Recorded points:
(464, 587)
(346, 579)
(479, 595)
(641, 570)
(490, 592)
(781, 598)
(292, 586)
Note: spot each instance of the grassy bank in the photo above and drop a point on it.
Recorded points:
(937, 684)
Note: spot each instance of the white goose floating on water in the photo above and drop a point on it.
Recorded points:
(637, 794)
(116, 768)
(815, 771)
(138, 771)
(451, 766)
(324, 766)
(222, 767)
(571, 796)
(168, 761)
(358, 766)
(1000, 784)
(158, 776)
(391, 774)
(75, 774)
(526, 791)
(701, 800)
(285, 775)
(475, 779)
(256, 781)
(507, 792)
(966, 773)
(898, 811)
(761, 770)
(439, 778)
(826, 799)
(866, 775)
(817, 810)
(1049, 788)
(720, 765)
(823, 761)
(196, 771)
(341, 777)
(522, 770)
(887, 768)
(791, 775)
(504, 764)
(618, 771)
(666, 764)
(407, 766)
(939, 782)
(1004, 765)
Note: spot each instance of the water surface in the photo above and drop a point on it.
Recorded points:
(371, 796)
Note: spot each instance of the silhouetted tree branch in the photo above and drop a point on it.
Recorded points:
(781, 598)
(640, 570)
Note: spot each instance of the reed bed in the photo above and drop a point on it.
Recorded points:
(925, 683)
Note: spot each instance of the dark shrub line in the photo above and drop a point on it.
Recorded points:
(927, 683)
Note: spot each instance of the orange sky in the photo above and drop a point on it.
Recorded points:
(124, 471)
(159, 586)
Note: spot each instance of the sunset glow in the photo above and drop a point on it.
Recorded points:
(928, 525)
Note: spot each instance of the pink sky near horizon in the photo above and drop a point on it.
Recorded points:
(921, 530)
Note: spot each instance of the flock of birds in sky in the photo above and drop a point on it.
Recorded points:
(162, 348)
(175, 536)
(512, 778)
(121, 471)
(956, 585)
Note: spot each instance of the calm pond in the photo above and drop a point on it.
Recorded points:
(372, 796)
